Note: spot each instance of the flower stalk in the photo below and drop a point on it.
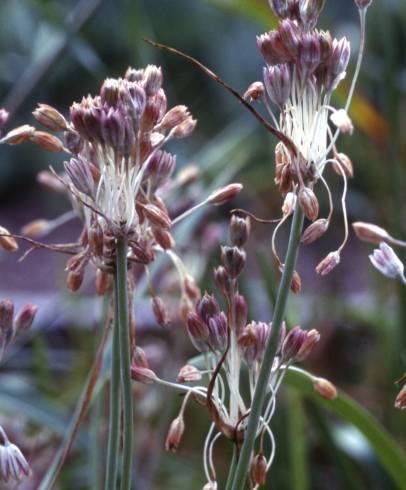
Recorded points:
(257, 406)
(125, 361)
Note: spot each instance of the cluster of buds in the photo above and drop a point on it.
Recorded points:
(230, 344)
(13, 326)
(13, 465)
(118, 172)
(304, 66)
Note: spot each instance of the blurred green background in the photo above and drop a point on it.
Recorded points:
(56, 52)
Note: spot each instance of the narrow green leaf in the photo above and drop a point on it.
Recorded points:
(387, 451)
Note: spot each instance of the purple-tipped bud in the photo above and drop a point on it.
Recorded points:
(50, 118)
(387, 262)
(18, 135)
(338, 63)
(292, 344)
(140, 370)
(278, 83)
(224, 194)
(309, 203)
(157, 216)
(198, 331)
(185, 128)
(233, 260)
(218, 332)
(134, 75)
(152, 79)
(207, 307)
(79, 173)
(160, 312)
(281, 8)
(239, 230)
(291, 37)
(272, 48)
(109, 92)
(309, 11)
(241, 312)
(175, 434)
(252, 342)
(112, 129)
(222, 279)
(6, 315)
(174, 117)
(328, 263)
(314, 231)
(310, 55)
(160, 167)
(311, 340)
(258, 470)
(25, 319)
(138, 101)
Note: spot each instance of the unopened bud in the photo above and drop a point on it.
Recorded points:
(174, 117)
(36, 228)
(50, 118)
(314, 231)
(387, 262)
(140, 370)
(157, 216)
(18, 135)
(224, 194)
(255, 91)
(311, 340)
(239, 230)
(296, 284)
(222, 279)
(400, 401)
(25, 318)
(198, 331)
(47, 141)
(259, 469)
(309, 203)
(233, 260)
(102, 282)
(293, 342)
(328, 263)
(163, 238)
(325, 388)
(343, 162)
(160, 312)
(289, 204)
(7, 242)
(6, 315)
(342, 121)
(74, 280)
(152, 79)
(188, 374)
(184, 129)
(241, 311)
(95, 239)
(370, 233)
(175, 434)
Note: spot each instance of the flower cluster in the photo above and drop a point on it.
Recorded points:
(118, 173)
(230, 345)
(304, 66)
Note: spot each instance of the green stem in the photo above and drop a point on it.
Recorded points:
(263, 378)
(96, 413)
(231, 471)
(114, 407)
(125, 356)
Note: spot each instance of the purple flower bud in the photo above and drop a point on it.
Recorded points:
(310, 55)
(24, 319)
(252, 342)
(281, 8)
(239, 230)
(152, 79)
(139, 100)
(79, 173)
(222, 279)
(272, 48)
(338, 62)
(73, 141)
(278, 83)
(207, 307)
(160, 168)
(292, 344)
(134, 75)
(233, 260)
(291, 37)
(218, 332)
(198, 331)
(309, 11)
(140, 370)
(112, 128)
(109, 92)
(387, 262)
(6, 323)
